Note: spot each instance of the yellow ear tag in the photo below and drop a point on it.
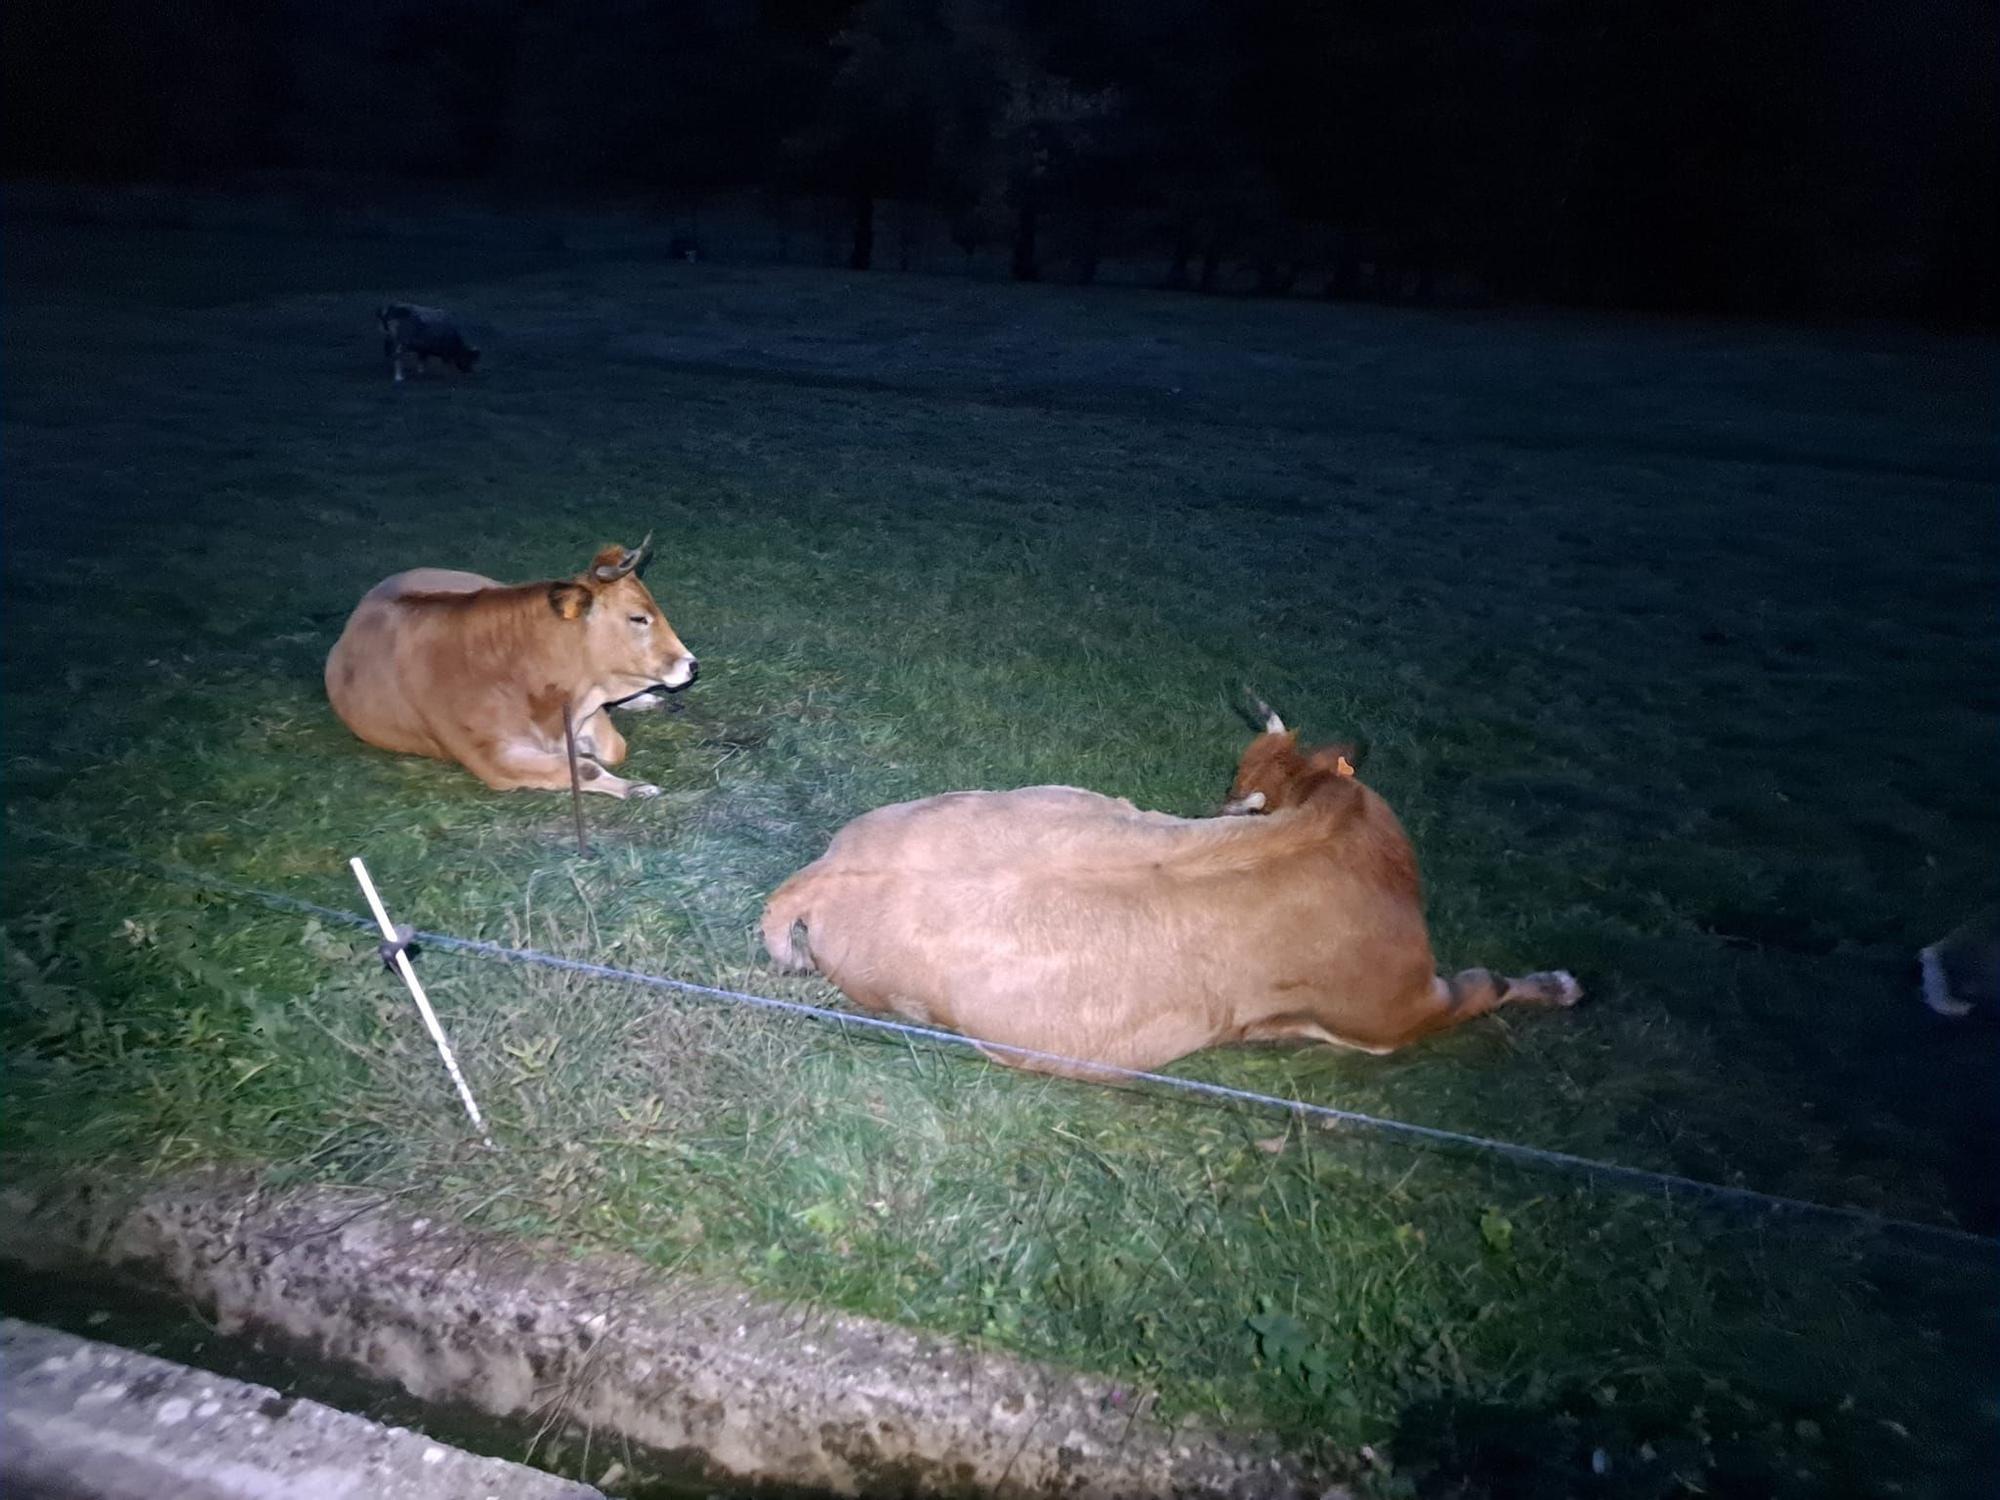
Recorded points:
(1343, 766)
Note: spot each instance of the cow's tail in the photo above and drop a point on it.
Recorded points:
(789, 910)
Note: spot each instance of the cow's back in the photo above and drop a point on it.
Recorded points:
(379, 661)
(979, 828)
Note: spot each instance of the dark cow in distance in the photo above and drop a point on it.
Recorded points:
(1065, 922)
(459, 667)
(418, 334)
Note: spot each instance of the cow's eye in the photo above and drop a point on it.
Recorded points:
(640, 619)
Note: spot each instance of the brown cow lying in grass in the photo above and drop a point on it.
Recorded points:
(1065, 922)
(459, 667)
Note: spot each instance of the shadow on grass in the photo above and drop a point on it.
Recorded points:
(1708, 1442)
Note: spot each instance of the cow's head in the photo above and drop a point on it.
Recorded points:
(1275, 774)
(627, 642)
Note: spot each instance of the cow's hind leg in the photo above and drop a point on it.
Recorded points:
(1474, 992)
(1471, 993)
(1557, 987)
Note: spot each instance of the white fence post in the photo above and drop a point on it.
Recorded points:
(417, 993)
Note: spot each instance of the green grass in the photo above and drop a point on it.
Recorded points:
(1673, 644)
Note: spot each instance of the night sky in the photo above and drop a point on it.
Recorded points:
(1783, 156)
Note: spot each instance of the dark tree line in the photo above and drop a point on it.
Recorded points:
(1781, 155)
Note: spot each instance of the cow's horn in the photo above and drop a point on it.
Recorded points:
(612, 572)
(1266, 716)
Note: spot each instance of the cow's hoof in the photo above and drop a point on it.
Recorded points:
(1567, 990)
(642, 789)
(641, 701)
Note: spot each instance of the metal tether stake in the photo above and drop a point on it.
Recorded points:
(575, 781)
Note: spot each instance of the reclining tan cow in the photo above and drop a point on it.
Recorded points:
(459, 667)
(1065, 922)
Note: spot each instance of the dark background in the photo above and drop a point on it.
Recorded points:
(1771, 156)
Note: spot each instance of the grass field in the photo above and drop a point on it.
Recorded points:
(1674, 645)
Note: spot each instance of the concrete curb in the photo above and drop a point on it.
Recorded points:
(750, 1390)
(82, 1419)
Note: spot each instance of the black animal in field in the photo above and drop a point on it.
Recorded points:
(417, 334)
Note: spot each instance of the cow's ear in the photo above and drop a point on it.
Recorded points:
(1341, 759)
(570, 601)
